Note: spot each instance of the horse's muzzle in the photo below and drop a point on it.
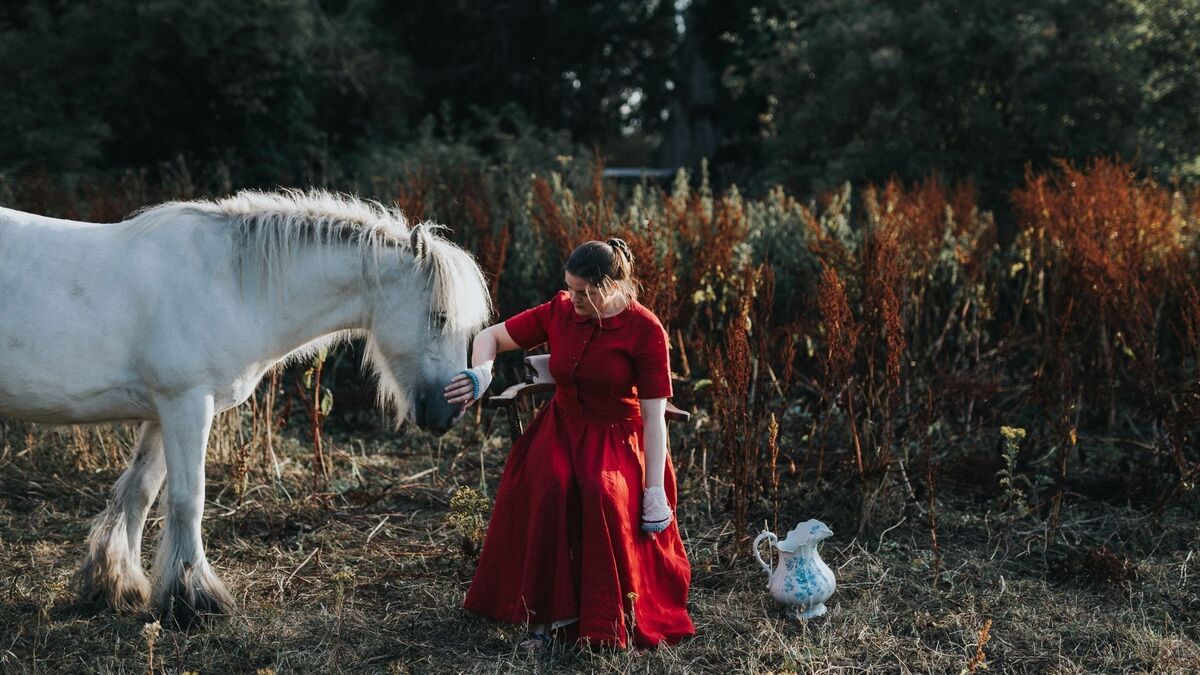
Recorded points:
(434, 414)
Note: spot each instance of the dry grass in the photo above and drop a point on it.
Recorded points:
(373, 582)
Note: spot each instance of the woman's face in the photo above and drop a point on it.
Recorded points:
(587, 298)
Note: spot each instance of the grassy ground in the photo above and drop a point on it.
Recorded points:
(370, 578)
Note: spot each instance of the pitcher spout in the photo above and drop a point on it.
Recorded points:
(808, 533)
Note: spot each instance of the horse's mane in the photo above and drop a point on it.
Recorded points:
(268, 226)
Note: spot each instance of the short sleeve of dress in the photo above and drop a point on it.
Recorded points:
(652, 364)
(531, 327)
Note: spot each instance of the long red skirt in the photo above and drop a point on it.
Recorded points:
(565, 541)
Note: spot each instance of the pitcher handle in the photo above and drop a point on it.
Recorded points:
(774, 540)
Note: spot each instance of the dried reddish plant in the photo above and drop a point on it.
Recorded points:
(773, 467)
(883, 285)
(915, 218)
(1110, 240)
(481, 233)
(38, 193)
(1186, 403)
(655, 264)
(709, 232)
(411, 194)
(547, 217)
(922, 221)
(931, 477)
(742, 399)
(979, 660)
(730, 369)
(1113, 245)
(461, 199)
(837, 358)
(841, 331)
(902, 300)
(109, 201)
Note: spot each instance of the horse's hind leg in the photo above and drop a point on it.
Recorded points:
(112, 571)
(185, 587)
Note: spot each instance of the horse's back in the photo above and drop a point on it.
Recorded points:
(82, 304)
(40, 252)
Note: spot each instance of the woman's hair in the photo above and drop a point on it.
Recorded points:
(605, 265)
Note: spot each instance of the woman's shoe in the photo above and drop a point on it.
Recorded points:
(536, 643)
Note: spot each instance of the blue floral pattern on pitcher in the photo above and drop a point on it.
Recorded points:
(798, 582)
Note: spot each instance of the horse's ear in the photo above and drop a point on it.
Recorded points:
(417, 240)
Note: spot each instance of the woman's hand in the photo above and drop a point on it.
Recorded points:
(468, 386)
(656, 512)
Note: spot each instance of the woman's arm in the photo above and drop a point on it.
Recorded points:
(656, 512)
(489, 342)
(654, 439)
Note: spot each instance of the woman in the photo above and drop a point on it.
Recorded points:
(582, 536)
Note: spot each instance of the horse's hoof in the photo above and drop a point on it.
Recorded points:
(99, 582)
(202, 610)
(195, 598)
(124, 600)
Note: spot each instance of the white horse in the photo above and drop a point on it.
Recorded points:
(175, 314)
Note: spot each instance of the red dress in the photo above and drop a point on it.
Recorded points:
(565, 539)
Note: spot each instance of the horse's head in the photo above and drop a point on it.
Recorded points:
(425, 314)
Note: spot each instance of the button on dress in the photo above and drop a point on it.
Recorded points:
(564, 545)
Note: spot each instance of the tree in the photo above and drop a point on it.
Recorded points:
(863, 91)
(270, 88)
(587, 67)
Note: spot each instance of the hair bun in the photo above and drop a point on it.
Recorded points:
(620, 246)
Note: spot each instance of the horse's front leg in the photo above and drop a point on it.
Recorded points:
(185, 586)
(112, 571)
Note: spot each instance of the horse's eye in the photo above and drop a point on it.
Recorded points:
(439, 320)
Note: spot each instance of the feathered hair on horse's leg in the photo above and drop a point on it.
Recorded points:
(186, 590)
(189, 594)
(107, 576)
(111, 572)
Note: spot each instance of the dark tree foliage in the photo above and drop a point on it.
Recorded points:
(865, 90)
(714, 42)
(807, 92)
(270, 88)
(568, 64)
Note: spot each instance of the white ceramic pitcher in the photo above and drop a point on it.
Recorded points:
(801, 579)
